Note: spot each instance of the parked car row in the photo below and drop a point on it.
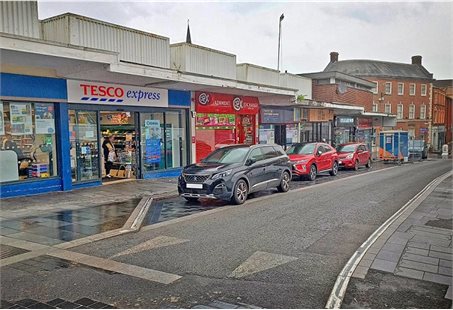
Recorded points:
(233, 172)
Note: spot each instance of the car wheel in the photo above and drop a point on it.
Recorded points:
(284, 182)
(240, 192)
(191, 199)
(368, 163)
(313, 172)
(334, 170)
(356, 165)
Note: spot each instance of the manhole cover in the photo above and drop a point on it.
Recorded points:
(8, 251)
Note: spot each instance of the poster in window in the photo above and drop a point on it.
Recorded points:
(21, 121)
(153, 137)
(2, 123)
(44, 118)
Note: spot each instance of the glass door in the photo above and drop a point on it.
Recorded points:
(84, 149)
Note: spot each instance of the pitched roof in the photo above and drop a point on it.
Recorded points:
(365, 67)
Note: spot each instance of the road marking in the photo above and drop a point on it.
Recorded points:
(341, 284)
(158, 242)
(111, 265)
(260, 261)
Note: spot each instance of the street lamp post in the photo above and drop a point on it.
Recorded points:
(279, 39)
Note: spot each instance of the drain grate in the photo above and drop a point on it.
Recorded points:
(41, 263)
(9, 251)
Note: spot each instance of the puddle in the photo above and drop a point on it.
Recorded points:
(68, 225)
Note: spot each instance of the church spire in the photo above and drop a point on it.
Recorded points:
(188, 38)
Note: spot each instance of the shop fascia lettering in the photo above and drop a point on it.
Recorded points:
(115, 94)
(226, 104)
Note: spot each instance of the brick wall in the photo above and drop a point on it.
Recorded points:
(352, 96)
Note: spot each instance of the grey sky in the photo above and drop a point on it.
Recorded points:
(311, 30)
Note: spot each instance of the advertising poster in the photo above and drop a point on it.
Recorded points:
(21, 121)
(214, 120)
(44, 118)
(153, 137)
(2, 123)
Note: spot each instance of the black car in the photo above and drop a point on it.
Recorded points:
(232, 172)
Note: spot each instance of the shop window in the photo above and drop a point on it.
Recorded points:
(423, 111)
(83, 138)
(412, 111)
(399, 112)
(163, 140)
(28, 149)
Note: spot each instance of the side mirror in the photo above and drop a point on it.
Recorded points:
(250, 161)
(318, 153)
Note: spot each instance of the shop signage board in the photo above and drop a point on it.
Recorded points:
(365, 123)
(345, 121)
(276, 116)
(115, 94)
(206, 102)
(213, 120)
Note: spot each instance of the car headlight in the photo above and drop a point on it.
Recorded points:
(221, 174)
(303, 161)
(350, 156)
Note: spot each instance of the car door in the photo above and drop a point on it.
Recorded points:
(271, 167)
(320, 157)
(328, 153)
(365, 154)
(256, 172)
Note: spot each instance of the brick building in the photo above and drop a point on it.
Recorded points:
(442, 121)
(401, 89)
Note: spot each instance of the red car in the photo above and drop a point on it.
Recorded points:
(354, 155)
(310, 159)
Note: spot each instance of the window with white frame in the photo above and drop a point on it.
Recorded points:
(400, 89)
(399, 111)
(411, 111)
(422, 111)
(388, 88)
(412, 89)
(388, 108)
(423, 89)
(375, 90)
(375, 107)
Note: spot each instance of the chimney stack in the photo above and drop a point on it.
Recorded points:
(333, 57)
(417, 60)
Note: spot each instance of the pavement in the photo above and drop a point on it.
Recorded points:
(410, 265)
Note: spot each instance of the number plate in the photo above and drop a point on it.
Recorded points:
(198, 186)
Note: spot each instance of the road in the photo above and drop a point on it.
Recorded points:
(280, 251)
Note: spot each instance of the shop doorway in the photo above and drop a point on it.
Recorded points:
(119, 145)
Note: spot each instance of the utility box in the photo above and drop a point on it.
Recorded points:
(394, 145)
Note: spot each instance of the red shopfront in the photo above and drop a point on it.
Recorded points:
(223, 119)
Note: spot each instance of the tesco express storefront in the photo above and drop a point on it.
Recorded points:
(149, 128)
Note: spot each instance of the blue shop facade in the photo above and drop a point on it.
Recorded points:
(52, 131)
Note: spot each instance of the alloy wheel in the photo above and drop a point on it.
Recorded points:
(241, 191)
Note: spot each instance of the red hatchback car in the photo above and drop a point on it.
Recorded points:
(354, 155)
(310, 159)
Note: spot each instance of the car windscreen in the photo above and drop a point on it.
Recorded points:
(302, 149)
(227, 155)
(346, 148)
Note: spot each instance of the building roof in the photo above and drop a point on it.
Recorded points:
(338, 75)
(443, 83)
(370, 68)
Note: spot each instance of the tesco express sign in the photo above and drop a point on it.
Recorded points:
(115, 94)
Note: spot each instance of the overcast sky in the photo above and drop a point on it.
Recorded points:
(310, 30)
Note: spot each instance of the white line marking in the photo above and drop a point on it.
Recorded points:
(260, 261)
(158, 242)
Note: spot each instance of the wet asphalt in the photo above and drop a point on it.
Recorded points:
(320, 227)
